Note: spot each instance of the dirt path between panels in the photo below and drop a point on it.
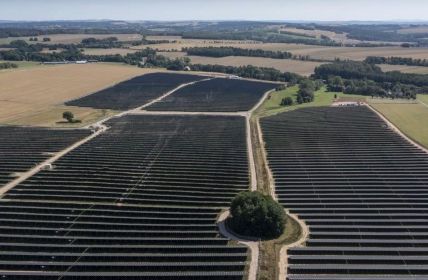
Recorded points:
(24, 176)
(266, 184)
(252, 245)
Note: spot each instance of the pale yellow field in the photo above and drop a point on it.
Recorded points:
(170, 38)
(51, 116)
(285, 65)
(108, 51)
(318, 52)
(414, 30)
(188, 43)
(73, 38)
(341, 38)
(405, 68)
(29, 96)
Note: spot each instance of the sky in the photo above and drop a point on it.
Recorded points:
(301, 10)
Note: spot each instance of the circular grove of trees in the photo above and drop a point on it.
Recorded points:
(256, 215)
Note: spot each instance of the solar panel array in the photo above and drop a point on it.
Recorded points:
(360, 187)
(23, 147)
(216, 95)
(139, 201)
(134, 92)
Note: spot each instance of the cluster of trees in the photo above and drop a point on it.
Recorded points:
(287, 101)
(105, 43)
(231, 51)
(306, 92)
(256, 215)
(371, 88)
(393, 60)
(8, 65)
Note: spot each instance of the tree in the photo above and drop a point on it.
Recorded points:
(287, 101)
(280, 87)
(256, 215)
(306, 91)
(335, 84)
(69, 116)
(46, 39)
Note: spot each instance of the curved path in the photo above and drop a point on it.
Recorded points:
(252, 245)
(99, 127)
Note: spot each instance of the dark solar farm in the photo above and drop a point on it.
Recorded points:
(216, 95)
(140, 201)
(23, 147)
(134, 92)
(360, 187)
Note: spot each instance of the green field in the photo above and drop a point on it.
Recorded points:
(423, 98)
(272, 105)
(409, 118)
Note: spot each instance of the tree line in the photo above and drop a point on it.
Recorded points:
(231, 51)
(394, 60)
(250, 71)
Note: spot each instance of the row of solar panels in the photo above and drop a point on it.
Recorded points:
(140, 201)
(361, 189)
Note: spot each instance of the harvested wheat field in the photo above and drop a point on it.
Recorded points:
(177, 43)
(317, 52)
(108, 51)
(286, 65)
(405, 68)
(28, 96)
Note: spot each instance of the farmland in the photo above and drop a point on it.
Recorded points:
(30, 94)
(140, 185)
(123, 51)
(405, 68)
(317, 52)
(216, 95)
(305, 68)
(356, 184)
(148, 189)
(134, 92)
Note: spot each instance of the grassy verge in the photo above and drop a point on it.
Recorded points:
(269, 250)
(272, 105)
